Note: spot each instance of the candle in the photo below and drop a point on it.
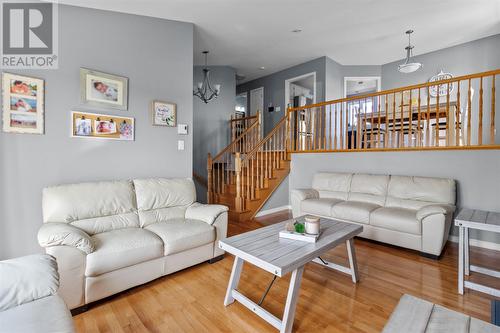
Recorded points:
(312, 225)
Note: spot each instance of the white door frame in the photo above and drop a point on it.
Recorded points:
(261, 111)
(293, 79)
(361, 78)
(247, 109)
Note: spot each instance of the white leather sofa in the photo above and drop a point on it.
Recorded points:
(28, 297)
(110, 236)
(411, 212)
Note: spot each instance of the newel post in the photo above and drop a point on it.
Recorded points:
(210, 184)
(237, 167)
(232, 127)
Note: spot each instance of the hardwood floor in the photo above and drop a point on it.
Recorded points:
(192, 300)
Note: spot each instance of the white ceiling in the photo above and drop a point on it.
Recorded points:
(249, 34)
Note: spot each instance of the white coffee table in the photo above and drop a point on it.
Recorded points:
(278, 256)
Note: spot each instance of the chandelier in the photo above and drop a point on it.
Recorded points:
(408, 66)
(204, 90)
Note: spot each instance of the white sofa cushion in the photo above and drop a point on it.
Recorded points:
(25, 279)
(122, 248)
(160, 199)
(417, 192)
(69, 203)
(45, 315)
(332, 185)
(355, 211)
(181, 235)
(319, 206)
(369, 188)
(397, 219)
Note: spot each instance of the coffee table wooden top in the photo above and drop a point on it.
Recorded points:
(265, 249)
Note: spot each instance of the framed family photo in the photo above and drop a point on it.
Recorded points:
(23, 104)
(103, 89)
(164, 113)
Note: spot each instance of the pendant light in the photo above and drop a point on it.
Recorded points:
(204, 90)
(408, 66)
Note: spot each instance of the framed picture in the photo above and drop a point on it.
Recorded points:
(23, 104)
(164, 114)
(104, 90)
(100, 126)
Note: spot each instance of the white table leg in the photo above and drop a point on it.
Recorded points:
(466, 253)
(233, 280)
(352, 260)
(461, 260)
(291, 300)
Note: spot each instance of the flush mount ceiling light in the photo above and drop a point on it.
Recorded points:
(262, 68)
(204, 90)
(408, 66)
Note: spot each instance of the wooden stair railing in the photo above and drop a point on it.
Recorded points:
(461, 116)
(261, 170)
(220, 169)
(238, 125)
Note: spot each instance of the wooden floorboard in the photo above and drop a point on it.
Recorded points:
(192, 300)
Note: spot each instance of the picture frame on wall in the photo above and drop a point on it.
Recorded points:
(164, 114)
(23, 104)
(103, 89)
(101, 126)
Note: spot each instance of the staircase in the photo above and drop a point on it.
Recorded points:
(245, 174)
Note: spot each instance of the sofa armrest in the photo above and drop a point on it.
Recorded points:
(429, 210)
(299, 195)
(27, 279)
(303, 194)
(206, 213)
(54, 234)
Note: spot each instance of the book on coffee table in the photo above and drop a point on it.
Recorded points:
(299, 236)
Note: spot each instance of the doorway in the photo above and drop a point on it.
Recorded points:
(300, 90)
(257, 104)
(358, 86)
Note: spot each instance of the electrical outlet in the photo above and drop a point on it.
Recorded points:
(180, 145)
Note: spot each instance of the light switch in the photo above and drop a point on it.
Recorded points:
(277, 109)
(182, 129)
(180, 145)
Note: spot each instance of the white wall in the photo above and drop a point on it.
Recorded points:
(476, 172)
(157, 57)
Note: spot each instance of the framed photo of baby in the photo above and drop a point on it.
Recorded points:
(103, 89)
(23, 104)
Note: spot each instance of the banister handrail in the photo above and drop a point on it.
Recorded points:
(243, 118)
(265, 139)
(396, 90)
(235, 141)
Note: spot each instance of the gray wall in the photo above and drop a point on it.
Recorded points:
(334, 88)
(274, 88)
(476, 172)
(473, 57)
(157, 57)
(210, 121)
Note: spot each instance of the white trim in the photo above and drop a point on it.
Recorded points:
(273, 210)
(361, 78)
(477, 243)
(293, 79)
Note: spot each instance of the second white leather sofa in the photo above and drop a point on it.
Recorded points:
(111, 236)
(411, 212)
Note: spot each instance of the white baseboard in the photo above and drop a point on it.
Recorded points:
(477, 243)
(273, 210)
